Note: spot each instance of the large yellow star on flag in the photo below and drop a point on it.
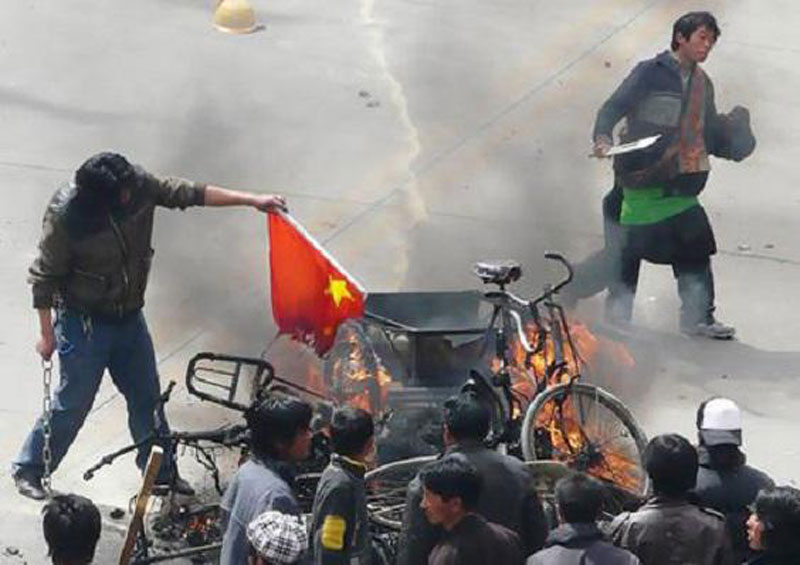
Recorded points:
(337, 289)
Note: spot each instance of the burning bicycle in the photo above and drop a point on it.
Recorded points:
(521, 357)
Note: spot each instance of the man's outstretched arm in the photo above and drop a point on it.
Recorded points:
(218, 196)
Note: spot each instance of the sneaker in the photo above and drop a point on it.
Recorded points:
(29, 485)
(179, 486)
(713, 330)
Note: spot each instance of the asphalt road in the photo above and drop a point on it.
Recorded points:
(412, 138)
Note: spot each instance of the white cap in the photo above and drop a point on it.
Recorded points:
(720, 422)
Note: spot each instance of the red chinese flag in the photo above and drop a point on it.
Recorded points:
(311, 293)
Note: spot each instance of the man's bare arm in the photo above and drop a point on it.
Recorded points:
(218, 196)
(47, 335)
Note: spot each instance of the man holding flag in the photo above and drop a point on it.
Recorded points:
(92, 269)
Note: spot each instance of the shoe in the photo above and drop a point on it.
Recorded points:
(29, 485)
(713, 330)
(179, 486)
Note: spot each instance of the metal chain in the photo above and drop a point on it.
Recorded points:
(47, 414)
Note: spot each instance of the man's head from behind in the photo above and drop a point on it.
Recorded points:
(353, 433)
(71, 525)
(105, 180)
(693, 36)
(671, 462)
(279, 429)
(451, 488)
(465, 419)
(579, 499)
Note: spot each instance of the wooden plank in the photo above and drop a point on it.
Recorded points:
(150, 473)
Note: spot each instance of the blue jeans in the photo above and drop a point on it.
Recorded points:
(86, 348)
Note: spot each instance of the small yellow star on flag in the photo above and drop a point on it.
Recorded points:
(337, 289)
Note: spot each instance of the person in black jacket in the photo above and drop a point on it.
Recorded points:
(578, 540)
(774, 527)
(724, 482)
(339, 521)
(451, 487)
(663, 222)
(507, 498)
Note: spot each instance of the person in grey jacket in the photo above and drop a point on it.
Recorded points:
(91, 270)
(507, 497)
(578, 540)
(661, 219)
(280, 436)
(339, 520)
(669, 528)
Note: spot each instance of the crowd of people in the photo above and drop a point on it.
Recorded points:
(475, 505)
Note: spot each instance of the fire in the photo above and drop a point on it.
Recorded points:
(572, 441)
(360, 378)
(356, 375)
(576, 444)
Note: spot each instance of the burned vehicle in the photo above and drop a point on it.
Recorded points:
(523, 358)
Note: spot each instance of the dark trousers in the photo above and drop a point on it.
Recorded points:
(86, 348)
(695, 288)
(687, 246)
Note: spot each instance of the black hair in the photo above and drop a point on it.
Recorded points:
(579, 498)
(467, 417)
(778, 508)
(275, 421)
(71, 525)
(102, 176)
(687, 24)
(671, 461)
(453, 476)
(351, 429)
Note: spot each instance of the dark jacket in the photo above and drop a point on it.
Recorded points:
(769, 559)
(475, 541)
(580, 544)
(667, 531)
(98, 261)
(652, 100)
(730, 491)
(339, 521)
(507, 498)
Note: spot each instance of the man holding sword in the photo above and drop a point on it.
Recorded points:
(670, 100)
(91, 271)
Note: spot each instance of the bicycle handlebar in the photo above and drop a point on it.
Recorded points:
(550, 291)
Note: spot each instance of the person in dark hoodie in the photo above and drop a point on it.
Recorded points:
(773, 528)
(578, 540)
(724, 482)
(660, 216)
(507, 497)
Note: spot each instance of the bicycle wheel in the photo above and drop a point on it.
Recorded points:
(590, 431)
(386, 490)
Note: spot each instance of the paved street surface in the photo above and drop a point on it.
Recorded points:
(412, 137)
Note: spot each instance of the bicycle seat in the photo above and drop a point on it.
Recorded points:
(500, 272)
